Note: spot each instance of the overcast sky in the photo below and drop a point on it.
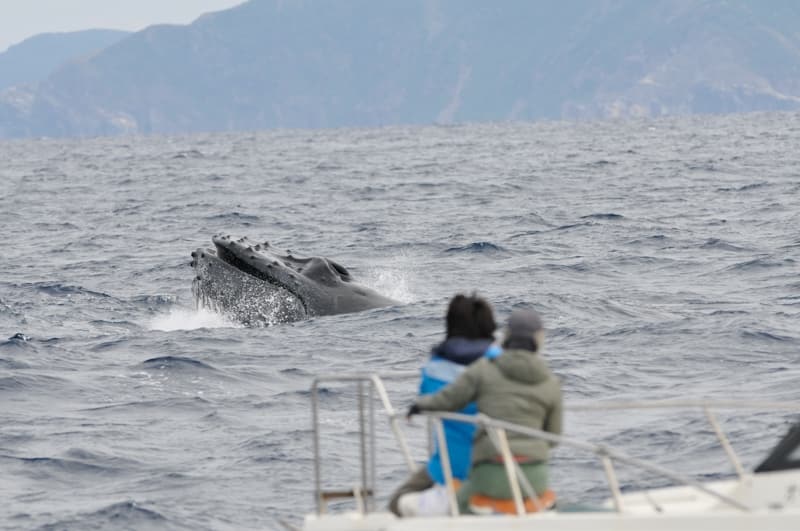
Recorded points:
(20, 19)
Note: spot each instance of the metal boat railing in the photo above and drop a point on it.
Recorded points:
(364, 495)
(497, 431)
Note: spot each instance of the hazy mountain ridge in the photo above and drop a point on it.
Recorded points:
(273, 63)
(35, 58)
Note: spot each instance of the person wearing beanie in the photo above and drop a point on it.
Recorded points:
(517, 387)
(470, 327)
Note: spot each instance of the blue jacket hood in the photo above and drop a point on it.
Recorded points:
(461, 350)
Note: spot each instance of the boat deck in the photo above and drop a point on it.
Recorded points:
(765, 500)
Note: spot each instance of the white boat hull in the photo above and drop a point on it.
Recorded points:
(753, 521)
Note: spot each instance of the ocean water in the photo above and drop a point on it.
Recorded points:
(662, 255)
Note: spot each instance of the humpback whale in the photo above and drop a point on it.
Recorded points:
(255, 283)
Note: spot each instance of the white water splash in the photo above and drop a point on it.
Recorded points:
(189, 319)
(394, 283)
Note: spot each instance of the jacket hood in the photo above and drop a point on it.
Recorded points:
(461, 350)
(523, 366)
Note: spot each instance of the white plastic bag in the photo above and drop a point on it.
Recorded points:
(429, 502)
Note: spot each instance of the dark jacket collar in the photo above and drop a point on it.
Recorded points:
(461, 350)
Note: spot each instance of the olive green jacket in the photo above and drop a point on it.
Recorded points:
(516, 387)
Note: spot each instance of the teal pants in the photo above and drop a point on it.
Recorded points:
(490, 479)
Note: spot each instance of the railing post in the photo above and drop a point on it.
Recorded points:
(530, 492)
(511, 472)
(613, 484)
(726, 445)
(372, 454)
(362, 437)
(448, 472)
(315, 430)
(393, 422)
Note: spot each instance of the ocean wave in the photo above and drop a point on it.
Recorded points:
(155, 301)
(709, 166)
(11, 364)
(189, 154)
(524, 234)
(49, 226)
(12, 383)
(580, 266)
(323, 392)
(789, 300)
(58, 289)
(572, 226)
(760, 263)
(604, 215)
(273, 447)
(63, 469)
(190, 403)
(175, 363)
(109, 345)
(658, 239)
(476, 247)
(129, 511)
(761, 335)
(247, 219)
(120, 515)
(729, 312)
(716, 243)
(24, 382)
(744, 188)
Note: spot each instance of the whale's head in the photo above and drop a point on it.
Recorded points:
(258, 283)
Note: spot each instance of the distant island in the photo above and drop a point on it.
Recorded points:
(35, 58)
(317, 63)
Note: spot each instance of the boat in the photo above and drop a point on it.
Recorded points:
(764, 499)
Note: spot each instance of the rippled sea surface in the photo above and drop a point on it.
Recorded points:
(663, 256)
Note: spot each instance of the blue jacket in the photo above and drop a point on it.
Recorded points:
(448, 360)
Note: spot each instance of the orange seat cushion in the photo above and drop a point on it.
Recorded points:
(482, 504)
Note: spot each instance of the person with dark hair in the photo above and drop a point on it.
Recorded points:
(470, 327)
(517, 387)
